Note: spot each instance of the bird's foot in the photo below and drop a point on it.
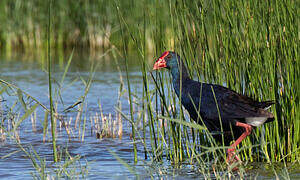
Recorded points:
(230, 159)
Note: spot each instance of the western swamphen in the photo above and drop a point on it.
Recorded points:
(234, 115)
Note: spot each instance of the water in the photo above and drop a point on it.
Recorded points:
(28, 74)
(30, 77)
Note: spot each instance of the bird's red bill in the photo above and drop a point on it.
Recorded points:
(161, 62)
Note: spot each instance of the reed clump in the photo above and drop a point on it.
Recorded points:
(250, 47)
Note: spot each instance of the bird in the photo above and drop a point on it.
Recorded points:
(217, 107)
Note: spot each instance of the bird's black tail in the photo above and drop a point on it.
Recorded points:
(266, 104)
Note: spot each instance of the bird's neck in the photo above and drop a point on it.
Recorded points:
(179, 75)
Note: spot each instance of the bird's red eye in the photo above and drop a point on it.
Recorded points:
(169, 56)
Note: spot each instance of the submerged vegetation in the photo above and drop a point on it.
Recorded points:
(249, 46)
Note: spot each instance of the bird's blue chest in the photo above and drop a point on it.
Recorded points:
(183, 94)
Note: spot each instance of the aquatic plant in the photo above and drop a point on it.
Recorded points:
(248, 46)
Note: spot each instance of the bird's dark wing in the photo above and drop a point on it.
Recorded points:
(231, 104)
(234, 105)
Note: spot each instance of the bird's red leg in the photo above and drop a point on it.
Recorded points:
(248, 129)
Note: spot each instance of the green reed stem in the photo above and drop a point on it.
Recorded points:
(128, 83)
(53, 124)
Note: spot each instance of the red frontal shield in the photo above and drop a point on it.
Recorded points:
(161, 62)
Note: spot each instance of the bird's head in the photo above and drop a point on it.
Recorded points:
(167, 60)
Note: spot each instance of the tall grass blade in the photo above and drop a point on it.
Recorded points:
(53, 124)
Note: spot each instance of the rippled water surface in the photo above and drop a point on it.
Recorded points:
(30, 76)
